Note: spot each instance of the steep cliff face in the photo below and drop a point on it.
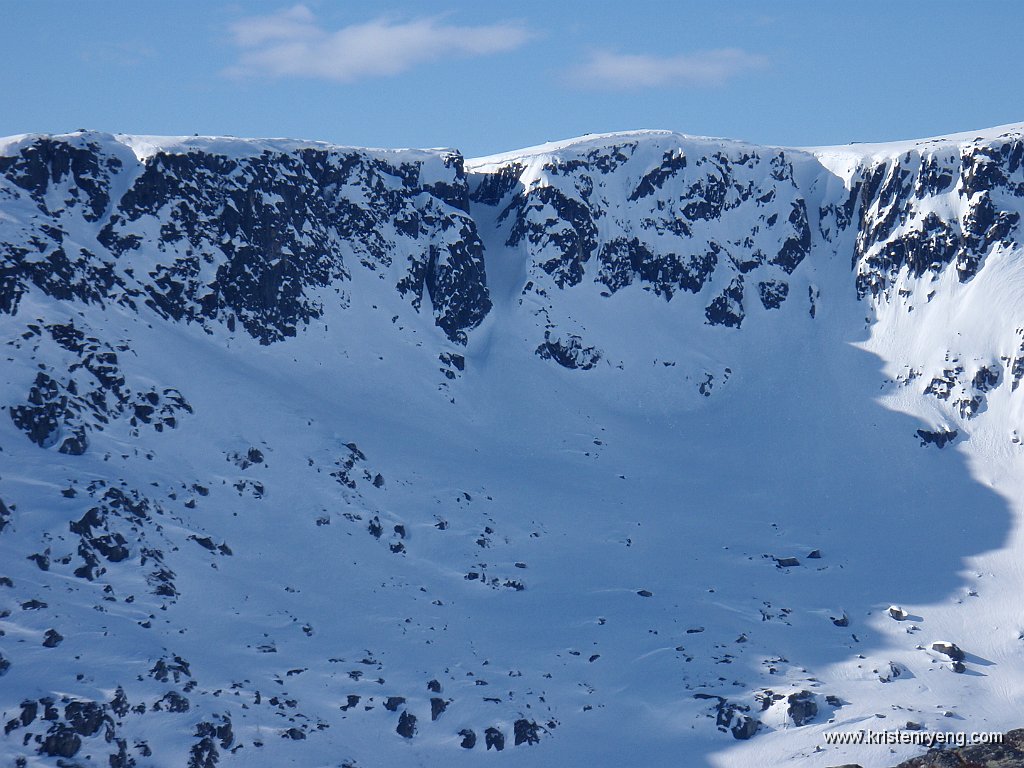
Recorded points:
(936, 241)
(241, 232)
(620, 446)
(722, 231)
(931, 208)
(654, 210)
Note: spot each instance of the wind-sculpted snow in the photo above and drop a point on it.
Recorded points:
(633, 449)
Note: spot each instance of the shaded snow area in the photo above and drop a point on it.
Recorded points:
(637, 449)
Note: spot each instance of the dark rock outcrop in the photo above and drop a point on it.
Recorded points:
(406, 725)
(802, 707)
(494, 738)
(1007, 754)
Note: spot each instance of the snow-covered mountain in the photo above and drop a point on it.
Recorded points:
(609, 451)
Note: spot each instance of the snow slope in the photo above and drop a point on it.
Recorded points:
(330, 456)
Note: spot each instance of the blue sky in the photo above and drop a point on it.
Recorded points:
(487, 77)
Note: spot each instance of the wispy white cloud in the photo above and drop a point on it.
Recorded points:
(292, 43)
(605, 69)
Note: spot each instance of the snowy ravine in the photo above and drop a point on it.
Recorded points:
(613, 451)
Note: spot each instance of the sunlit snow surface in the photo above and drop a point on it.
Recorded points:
(584, 550)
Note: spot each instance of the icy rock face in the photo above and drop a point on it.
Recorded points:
(925, 222)
(720, 221)
(51, 182)
(235, 233)
(930, 209)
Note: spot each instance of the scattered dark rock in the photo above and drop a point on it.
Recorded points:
(745, 727)
(570, 352)
(204, 541)
(84, 717)
(437, 707)
(727, 308)
(494, 738)
(29, 710)
(119, 704)
(52, 638)
(61, 741)
(938, 438)
(391, 703)
(731, 717)
(204, 753)
(526, 732)
(1007, 754)
(952, 650)
(177, 668)
(173, 701)
(406, 725)
(893, 671)
(802, 707)
(42, 560)
(772, 293)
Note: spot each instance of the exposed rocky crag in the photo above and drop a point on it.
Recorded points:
(234, 232)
